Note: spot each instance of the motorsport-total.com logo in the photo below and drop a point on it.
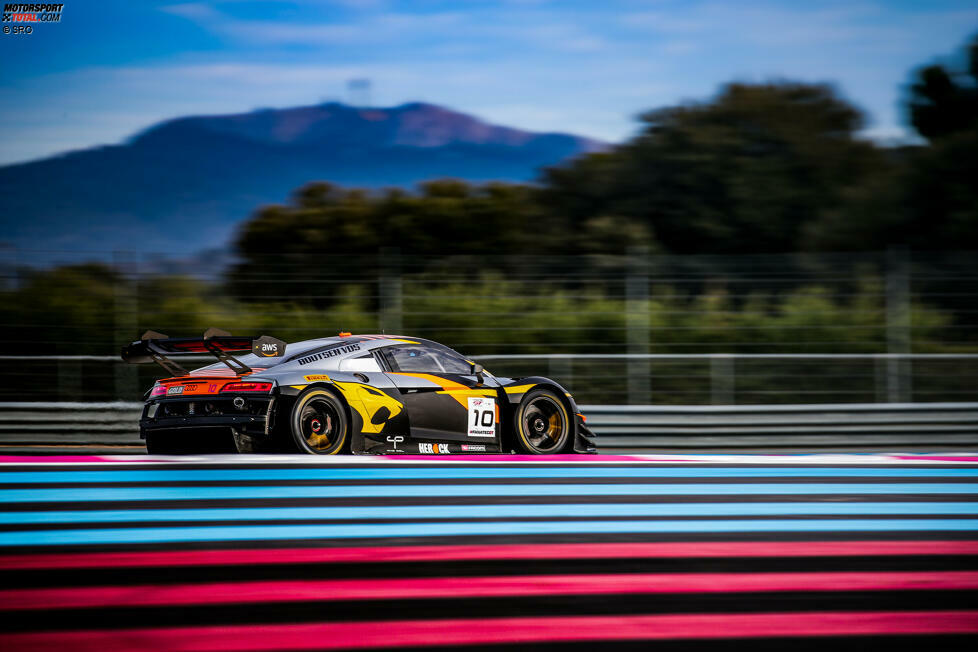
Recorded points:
(20, 18)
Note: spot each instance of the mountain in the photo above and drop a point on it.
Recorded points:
(183, 185)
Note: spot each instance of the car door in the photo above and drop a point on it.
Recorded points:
(445, 401)
(382, 410)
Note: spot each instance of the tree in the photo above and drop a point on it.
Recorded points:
(329, 238)
(944, 101)
(742, 173)
(66, 310)
(923, 197)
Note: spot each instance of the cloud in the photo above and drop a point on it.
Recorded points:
(681, 47)
(529, 26)
(665, 23)
(195, 11)
(865, 25)
(557, 35)
(373, 28)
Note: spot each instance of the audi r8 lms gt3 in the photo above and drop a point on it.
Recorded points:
(380, 394)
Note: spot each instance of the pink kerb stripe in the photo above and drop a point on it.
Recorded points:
(55, 459)
(377, 554)
(475, 587)
(938, 458)
(501, 630)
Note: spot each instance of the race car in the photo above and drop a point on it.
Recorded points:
(361, 394)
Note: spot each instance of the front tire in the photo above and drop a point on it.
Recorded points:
(543, 425)
(320, 425)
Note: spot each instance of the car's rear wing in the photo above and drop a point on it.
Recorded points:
(155, 347)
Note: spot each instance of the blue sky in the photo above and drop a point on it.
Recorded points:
(112, 68)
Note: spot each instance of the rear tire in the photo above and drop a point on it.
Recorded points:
(543, 425)
(320, 424)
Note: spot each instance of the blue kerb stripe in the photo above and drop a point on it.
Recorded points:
(466, 528)
(191, 492)
(192, 475)
(492, 511)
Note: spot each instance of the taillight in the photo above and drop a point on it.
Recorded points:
(158, 390)
(247, 387)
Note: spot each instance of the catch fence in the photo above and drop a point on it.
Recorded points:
(641, 329)
(598, 379)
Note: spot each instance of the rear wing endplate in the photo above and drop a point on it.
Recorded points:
(155, 347)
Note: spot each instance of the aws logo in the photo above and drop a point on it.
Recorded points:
(268, 347)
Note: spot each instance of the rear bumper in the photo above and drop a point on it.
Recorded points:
(255, 418)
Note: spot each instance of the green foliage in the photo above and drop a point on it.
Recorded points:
(85, 310)
(331, 236)
(944, 101)
(492, 314)
(940, 194)
(742, 173)
(63, 311)
(76, 309)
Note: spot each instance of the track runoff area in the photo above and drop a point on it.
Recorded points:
(507, 552)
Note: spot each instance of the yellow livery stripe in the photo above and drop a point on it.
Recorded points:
(459, 392)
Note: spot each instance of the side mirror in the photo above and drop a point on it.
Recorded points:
(477, 370)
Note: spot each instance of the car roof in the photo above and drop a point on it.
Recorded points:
(334, 347)
(365, 342)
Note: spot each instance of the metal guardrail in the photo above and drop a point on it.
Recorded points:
(70, 424)
(617, 427)
(879, 377)
(784, 426)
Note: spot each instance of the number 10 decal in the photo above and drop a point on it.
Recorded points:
(482, 417)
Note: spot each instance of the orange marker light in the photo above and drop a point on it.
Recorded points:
(345, 334)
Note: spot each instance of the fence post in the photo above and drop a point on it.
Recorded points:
(391, 291)
(126, 318)
(638, 325)
(898, 324)
(722, 380)
(881, 378)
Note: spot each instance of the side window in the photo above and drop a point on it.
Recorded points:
(420, 359)
(452, 364)
(412, 359)
(363, 363)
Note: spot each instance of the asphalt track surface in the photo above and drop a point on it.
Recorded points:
(683, 552)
